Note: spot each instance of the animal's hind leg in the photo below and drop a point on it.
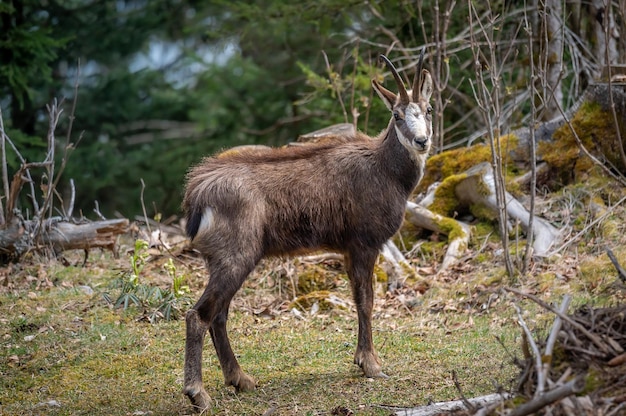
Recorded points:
(195, 332)
(360, 268)
(211, 312)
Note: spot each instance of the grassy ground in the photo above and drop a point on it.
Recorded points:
(65, 350)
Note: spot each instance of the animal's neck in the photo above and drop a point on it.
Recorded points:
(397, 160)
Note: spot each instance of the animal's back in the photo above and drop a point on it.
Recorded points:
(316, 196)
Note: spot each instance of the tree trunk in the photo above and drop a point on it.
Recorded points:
(605, 32)
(553, 61)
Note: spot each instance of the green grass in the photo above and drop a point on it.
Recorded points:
(66, 352)
(61, 344)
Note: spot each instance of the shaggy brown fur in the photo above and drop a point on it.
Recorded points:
(347, 197)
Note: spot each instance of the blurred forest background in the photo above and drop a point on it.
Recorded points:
(158, 84)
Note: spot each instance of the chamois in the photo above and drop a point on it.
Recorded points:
(347, 197)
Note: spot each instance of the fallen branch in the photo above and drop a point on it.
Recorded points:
(399, 269)
(481, 177)
(621, 273)
(437, 409)
(606, 349)
(99, 234)
(321, 258)
(541, 381)
(572, 387)
(20, 236)
(546, 359)
(458, 232)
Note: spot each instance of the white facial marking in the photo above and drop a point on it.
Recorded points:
(417, 127)
(207, 220)
(416, 122)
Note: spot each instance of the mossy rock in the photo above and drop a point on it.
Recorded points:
(380, 275)
(434, 249)
(326, 300)
(315, 278)
(457, 161)
(597, 132)
(450, 168)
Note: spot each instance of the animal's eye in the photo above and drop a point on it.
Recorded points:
(429, 110)
(396, 116)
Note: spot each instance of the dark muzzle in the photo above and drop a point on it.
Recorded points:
(420, 142)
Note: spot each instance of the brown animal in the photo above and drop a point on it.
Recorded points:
(347, 197)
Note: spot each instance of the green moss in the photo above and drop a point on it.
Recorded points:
(446, 201)
(451, 228)
(593, 381)
(609, 228)
(482, 212)
(596, 130)
(412, 276)
(481, 258)
(433, 248)
(321, 297)
(596, 273)
(380, 275)
(453, 162)
(314, 278)
(484, 229)
(491, 279)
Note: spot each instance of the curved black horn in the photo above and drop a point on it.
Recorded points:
(418, 76)
(404, 96)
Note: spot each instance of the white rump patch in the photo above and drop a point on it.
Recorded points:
(207, 220)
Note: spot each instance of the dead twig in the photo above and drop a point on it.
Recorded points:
(584, 231)
(554, 332)
(572, 387)
(467, 403)
(621, 273)
(533, 345)
(594, 339)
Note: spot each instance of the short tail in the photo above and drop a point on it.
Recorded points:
(194, 217)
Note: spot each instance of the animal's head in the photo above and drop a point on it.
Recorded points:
(412, 113)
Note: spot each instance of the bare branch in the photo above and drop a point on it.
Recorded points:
(143, 205)
(572, 387)
(546, 359)
(70, 208)
(607, 349)
(621, 273)
(5, 172)
(541, 381)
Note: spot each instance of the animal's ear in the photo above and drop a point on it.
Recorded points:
(427, 85)
(388, 97)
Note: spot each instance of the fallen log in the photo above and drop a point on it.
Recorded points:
(99, 234)
(58, 235)
(476, 187)
(442, 408)
(458, 232)
(396, 266)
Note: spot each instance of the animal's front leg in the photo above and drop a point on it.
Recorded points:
(360, 267)
(233, 374)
